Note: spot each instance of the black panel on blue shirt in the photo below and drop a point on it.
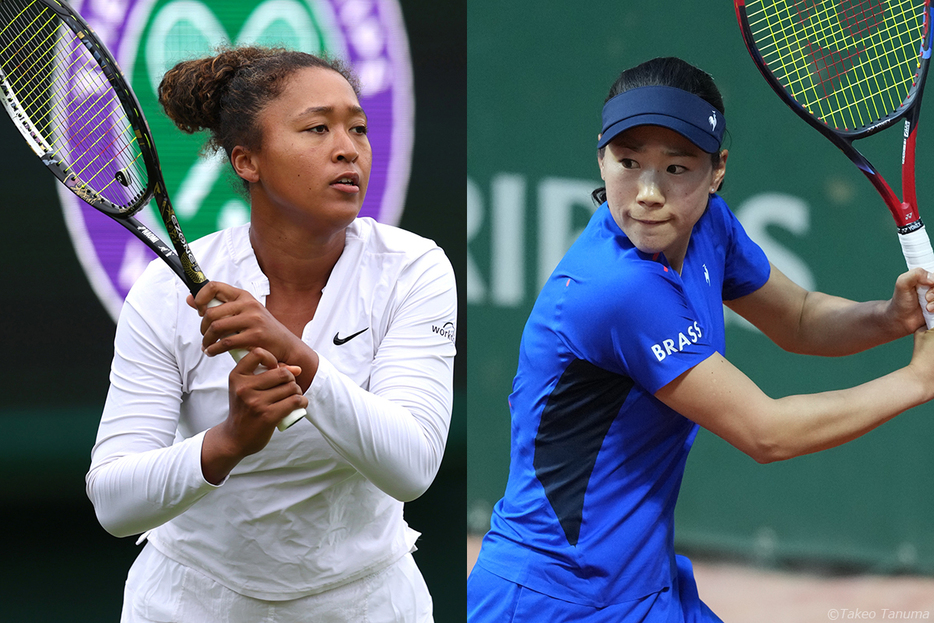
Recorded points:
(574, 423)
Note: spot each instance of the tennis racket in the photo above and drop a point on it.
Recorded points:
(65, 93)
(851, 68)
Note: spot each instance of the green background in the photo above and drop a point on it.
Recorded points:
(57, 563)
(538, 75)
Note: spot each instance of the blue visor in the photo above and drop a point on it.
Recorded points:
(685, 113)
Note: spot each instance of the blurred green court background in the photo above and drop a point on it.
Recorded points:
(58, 564)
(538, 76)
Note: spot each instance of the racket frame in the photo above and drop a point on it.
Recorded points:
(179, 257)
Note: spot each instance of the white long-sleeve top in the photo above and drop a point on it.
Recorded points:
(322, 504)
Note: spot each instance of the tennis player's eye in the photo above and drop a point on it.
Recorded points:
(676, 168)
(628, 163)
(318, 129)
(360, 129)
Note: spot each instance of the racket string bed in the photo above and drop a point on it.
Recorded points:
(72, 115)
(850, 64)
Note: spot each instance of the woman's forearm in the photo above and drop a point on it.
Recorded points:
(832, 326)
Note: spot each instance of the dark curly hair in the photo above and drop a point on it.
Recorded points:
(667, 72)
(224, 93)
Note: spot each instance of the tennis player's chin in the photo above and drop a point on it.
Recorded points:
(346, 211)
(650, 239)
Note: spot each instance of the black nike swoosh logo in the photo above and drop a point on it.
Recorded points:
(343, 340)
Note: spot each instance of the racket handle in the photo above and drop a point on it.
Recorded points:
(238, 354)
(916, 246)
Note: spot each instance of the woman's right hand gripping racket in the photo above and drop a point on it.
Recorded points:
(851, 68)
(68, 98)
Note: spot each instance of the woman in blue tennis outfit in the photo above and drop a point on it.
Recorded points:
(622, 360)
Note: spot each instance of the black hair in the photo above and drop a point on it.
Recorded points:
(668, 72)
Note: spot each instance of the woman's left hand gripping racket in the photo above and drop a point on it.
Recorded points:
(65, 93)
(851, 68)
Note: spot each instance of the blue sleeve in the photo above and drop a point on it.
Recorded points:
(639, 324)
(746, 268)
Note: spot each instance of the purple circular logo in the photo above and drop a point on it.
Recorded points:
(147, 37)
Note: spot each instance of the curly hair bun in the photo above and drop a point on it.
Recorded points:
(191, 92)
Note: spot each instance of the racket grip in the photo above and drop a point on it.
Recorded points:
(916, 246)
(238, 354)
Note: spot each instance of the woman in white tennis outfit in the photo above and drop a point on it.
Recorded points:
(351, 319)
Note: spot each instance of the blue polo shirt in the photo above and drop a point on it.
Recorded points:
(596, 459)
